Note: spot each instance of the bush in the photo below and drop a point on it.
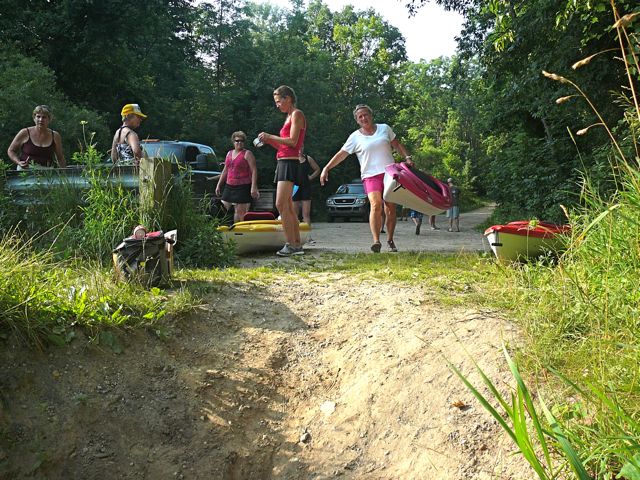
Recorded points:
(27, 83)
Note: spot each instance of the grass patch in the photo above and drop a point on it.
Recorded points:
(43, 300)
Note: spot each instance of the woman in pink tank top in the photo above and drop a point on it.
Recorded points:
(288, 171)
(37, 146)
(239, 177)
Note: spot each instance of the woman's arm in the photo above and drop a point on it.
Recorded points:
(114, 151)
(251, 160)
(314, 166)
(59, 153)
(221, 180)
(134, 143)
(13, 152)
(337, 159)
(398, 147)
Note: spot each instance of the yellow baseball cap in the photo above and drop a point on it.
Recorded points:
(132, 108)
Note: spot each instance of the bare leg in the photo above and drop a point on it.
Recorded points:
(241, 210)
(375, 214)
(298, 208)
(390, 211)
(285, 206)
(306, 212)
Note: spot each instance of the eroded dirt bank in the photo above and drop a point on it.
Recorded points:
(312, 377)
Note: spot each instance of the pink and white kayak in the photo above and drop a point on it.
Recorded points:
(522, 240)
(414, 189)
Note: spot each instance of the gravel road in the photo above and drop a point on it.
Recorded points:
(356, 237)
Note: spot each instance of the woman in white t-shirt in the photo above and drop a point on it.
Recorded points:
(372, 143)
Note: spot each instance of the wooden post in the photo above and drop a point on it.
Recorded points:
(155, 182)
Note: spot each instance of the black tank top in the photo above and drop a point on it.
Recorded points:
(40, 155)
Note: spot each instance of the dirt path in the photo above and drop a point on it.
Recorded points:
(310, 377)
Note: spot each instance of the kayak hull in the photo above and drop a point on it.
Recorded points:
(416, 190)
(523, 240)
(259, 235)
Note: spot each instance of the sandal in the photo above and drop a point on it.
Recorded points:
(392, 246)
(375, 248)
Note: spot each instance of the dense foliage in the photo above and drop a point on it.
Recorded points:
(201, 71)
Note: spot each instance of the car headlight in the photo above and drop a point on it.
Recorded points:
(361, 201)
(330, 201)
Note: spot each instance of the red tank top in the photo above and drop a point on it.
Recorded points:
(238, 171)
(40, 155)
(285, 151)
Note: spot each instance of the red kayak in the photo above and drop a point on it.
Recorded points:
(415, 189)
(523, 239)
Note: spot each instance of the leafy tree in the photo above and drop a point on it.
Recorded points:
(27, 83)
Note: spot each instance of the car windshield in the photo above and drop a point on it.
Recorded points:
(162, 150)
(351, 188)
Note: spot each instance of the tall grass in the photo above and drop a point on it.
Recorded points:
(582, 316)
(43, 300)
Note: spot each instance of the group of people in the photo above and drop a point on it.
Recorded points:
(372, 143)
(41, 147)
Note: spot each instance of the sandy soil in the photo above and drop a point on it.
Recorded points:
(309, 377)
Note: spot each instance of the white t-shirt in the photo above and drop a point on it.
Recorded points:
(373, 151)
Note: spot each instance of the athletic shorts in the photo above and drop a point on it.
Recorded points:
(303, 193)
(373, 184)
(288, 171)
(414, 214)
(453, 212)
(237, 193)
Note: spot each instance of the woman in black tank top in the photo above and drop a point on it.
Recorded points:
(37, 146)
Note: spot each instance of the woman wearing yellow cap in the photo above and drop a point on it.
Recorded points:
(125, 149)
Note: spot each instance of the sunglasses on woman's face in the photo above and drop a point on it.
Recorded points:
(238, 140)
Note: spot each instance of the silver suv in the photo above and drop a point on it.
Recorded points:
(348, 202)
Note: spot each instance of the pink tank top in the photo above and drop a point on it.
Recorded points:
(285, 151)
(238, 171)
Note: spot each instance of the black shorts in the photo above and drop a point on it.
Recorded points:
(303, 193)
(237, 193)
(288, 171)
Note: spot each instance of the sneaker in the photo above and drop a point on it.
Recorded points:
(288, 250)
(392, 246)
(375, 248)
(285, 251)
(311, 241)
(435, 228)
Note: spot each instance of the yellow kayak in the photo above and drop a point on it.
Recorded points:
(259, 235)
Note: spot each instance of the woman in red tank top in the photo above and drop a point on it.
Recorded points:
(39, 145)
(239, 178)
(288, 172)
